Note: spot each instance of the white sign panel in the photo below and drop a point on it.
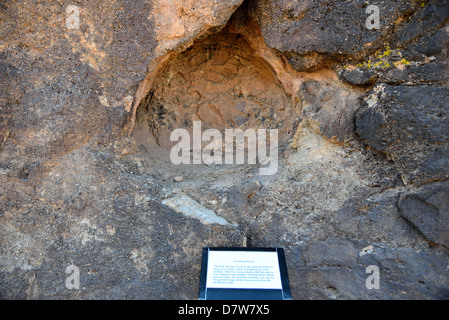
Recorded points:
(243, 270)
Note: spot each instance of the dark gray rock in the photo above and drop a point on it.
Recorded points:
(335, 269)
(361, 220)
(428, 212)
(406, 270)
(409, 124)
(376, 233)
(312, 33)
(427, 61)
(431, 44)
(431, 16)
(358, 77)
(434, 73)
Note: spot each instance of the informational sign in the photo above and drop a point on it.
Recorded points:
(244, 273)
(243, 269)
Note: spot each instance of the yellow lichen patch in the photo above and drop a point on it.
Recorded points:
(384, 59)
(403, 61)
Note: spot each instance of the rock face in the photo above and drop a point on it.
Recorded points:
(329, 107)
(311, 32)
(429, 215)
(409, 123)
(85, 172)
(220, 82)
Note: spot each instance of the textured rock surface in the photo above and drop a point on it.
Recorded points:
(429, 215)
(363, 167)
(331, 108)
(179, 22)
(312, 32)
(220, 82)
(409, 123)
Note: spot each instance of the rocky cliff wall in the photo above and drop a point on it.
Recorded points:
(85, 171)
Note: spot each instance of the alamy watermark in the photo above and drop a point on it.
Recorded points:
(73, 280)
(259, 147)
(72, 20)
(373, 281)
(373, 20)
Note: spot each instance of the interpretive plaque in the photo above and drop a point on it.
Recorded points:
(244, 274)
